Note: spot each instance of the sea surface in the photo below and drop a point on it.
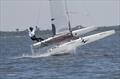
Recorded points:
(98, 60)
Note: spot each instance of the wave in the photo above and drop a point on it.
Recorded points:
(34, 55)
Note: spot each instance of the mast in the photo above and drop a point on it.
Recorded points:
(68, 17)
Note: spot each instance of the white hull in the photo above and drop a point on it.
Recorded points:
(76, 33)
(67, 47)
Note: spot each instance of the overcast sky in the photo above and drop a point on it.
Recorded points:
(25, 13)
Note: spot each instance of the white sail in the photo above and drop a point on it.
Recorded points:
(58, 15)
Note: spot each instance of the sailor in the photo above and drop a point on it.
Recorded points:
(32, 35)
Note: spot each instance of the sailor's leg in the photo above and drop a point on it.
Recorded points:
(39, 39)
(35, 39)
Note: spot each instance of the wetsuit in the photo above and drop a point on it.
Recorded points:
(33, 37)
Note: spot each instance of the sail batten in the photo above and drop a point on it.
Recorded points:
(59, 16)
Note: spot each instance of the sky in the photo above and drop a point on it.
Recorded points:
(25, 13)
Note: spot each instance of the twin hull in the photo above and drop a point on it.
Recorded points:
(67, 47)
(64, 37)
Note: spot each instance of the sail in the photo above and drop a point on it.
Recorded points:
(59, 17)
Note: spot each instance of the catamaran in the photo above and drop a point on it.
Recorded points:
(64, 39)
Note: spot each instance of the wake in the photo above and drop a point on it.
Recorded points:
(38, 54)
(33, 56)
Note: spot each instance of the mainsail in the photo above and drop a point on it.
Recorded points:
(59, 17)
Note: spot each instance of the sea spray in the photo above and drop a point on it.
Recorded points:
(32, 50)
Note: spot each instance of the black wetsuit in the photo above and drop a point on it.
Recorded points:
(32, 35)
(34, 38)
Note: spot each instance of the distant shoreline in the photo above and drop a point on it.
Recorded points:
(49, 32)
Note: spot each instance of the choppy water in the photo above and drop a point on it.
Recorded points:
(98, 60)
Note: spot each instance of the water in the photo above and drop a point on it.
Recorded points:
(98, 60)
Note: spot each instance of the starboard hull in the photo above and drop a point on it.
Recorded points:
(67, 47)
